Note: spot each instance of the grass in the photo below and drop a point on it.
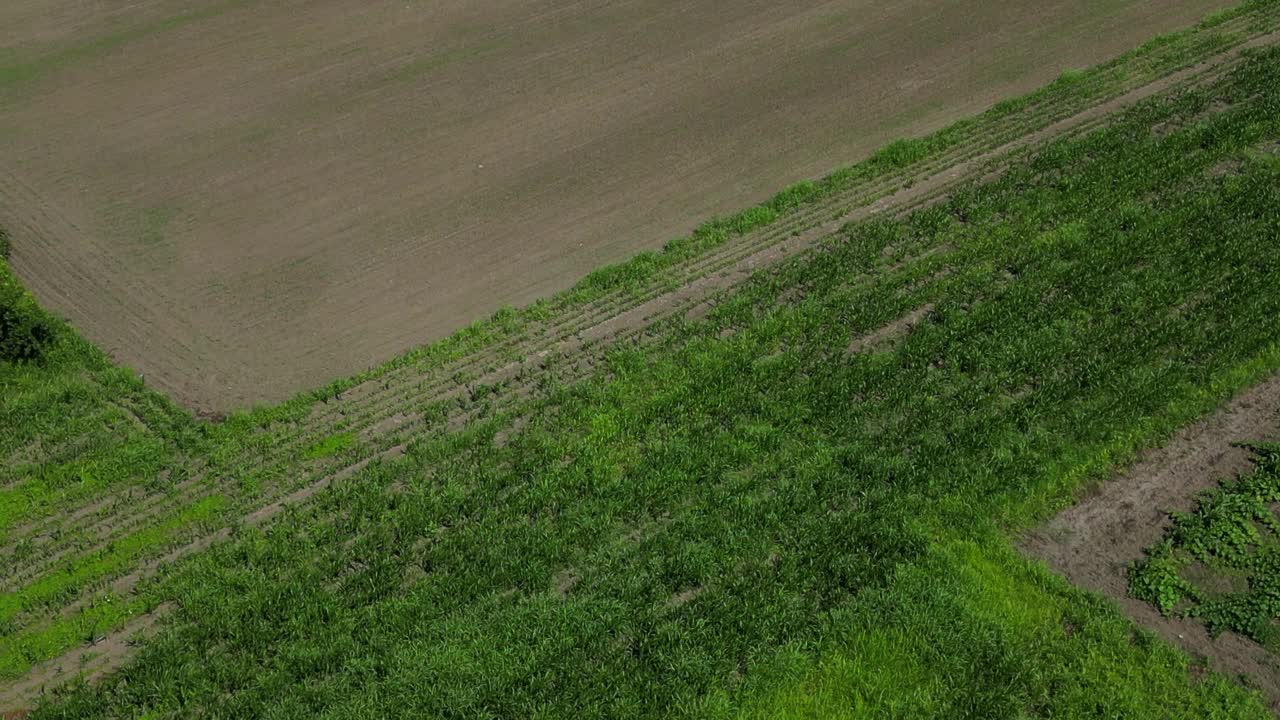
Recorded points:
(736, 517)
(66, 579)
(26, 331)
(1060, 652)
(330, 446)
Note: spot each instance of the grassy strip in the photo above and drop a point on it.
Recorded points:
(68, 580)
(747, 483)
(26, 331)
(85, 627)
(1060, 652)
(329, 446)
(51, 484)
(72, 425)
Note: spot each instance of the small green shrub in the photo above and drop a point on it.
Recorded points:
(25, 330)
(901, 153)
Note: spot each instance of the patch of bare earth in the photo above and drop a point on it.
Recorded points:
(243, 200)
(1094, 542)
(896, 329)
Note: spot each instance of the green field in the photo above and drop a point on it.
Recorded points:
(794, 497)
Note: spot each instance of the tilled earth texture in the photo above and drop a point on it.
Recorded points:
(244, 199)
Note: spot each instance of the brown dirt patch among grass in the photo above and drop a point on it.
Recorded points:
(1094, 542)
(896, 329)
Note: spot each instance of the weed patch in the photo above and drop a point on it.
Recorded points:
(1233, 533)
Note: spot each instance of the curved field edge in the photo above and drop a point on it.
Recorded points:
(657, 530)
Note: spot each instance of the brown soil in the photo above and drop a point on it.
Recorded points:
(892, 331)
(1094, 542)
(245, 199)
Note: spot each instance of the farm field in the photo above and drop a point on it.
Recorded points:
(785, 467)
(297, 191)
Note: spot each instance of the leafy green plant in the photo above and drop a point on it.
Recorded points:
(26, 331)
(1233, 529)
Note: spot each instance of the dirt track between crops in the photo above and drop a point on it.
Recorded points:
(243, 200)
(1094, 542)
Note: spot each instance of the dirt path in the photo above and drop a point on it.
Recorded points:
(294, 191)
(1094, 542)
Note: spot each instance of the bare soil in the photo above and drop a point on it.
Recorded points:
(1094, 542)
(891, 331)
(244, 199)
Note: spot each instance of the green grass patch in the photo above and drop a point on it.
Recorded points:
(26, 331)
(330, 446)
(1015, 642)
(64, 583)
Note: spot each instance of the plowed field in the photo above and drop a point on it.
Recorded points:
(243, 200)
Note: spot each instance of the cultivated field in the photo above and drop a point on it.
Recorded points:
(772, 471)
(243, 200)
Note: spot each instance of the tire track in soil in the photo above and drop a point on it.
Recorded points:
(1094, 542)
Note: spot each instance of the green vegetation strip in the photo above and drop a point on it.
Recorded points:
(68, 579)
(26, 331)
(1221, 562)
(803, 497)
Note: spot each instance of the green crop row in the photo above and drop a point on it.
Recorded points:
(763, 508)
